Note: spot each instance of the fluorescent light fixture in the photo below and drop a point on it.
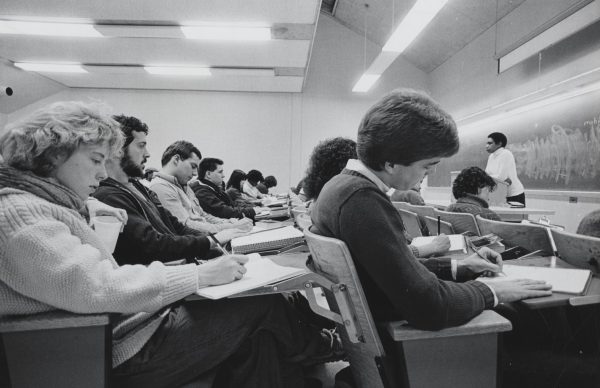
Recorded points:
(413, 23)
(223, 32)
(178, 70)
(365, 82)
(559, 31)
(51, 67)
(48, 29)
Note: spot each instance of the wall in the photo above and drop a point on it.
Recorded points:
(468, 83)
(3, 121)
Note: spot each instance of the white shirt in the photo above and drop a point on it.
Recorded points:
(252, 191)
(501, 165)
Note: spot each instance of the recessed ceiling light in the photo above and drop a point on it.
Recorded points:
(413, 23)
(365, 82)
(178, 70)
(51, 67)
(48, 29)
(226, 32)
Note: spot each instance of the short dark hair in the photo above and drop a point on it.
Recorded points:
(470, 180)
(208, 164)
(590, 224)
(403, 127)
(270, 181)
(255, 176)
(128, 125)
(327, 160)
(235, 180)
(183, 148)
(498, 137)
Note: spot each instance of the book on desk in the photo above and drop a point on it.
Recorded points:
(260, 271)
(268, 240)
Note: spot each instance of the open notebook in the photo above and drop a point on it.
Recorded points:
(457, 242)
(260, 271)
(267, 240)
(567, 280)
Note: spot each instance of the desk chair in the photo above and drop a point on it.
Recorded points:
(61, 349)
(528, 236)
(422, 211)
(463, 356)
(577, 249)
(432, 226)
(461, 222)
(401, 205)
(411, 222)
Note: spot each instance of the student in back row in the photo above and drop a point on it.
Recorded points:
(400, 139)
(472, 188)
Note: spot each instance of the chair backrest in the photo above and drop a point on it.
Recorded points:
(461, 222)
(332, 259)
(528, 236)
(432, 226)
(422, 211)
(577, 249)
(411, 222)
(401, 205)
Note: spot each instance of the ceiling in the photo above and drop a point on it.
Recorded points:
(147, 33)
(455, 26)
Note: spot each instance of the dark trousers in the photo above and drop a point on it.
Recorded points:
(517, 198)
(246, 339)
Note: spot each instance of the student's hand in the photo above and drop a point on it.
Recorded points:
(515, 290)
(490, 264)
(97, 208)
(226, 235)
(507, 180)
(222, 270)
(245, 224)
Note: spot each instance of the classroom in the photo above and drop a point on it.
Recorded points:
(213, 97)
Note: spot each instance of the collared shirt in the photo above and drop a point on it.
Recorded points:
(252, 191)
(501, 165)
(359, 167)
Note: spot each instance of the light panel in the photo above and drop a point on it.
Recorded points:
(51, 67)
(79, 30)
(365, 82)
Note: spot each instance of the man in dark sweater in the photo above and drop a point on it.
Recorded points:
(400, 139)
(151, 233)
(209, 191)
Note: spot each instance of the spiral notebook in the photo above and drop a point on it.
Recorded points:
(267, 240)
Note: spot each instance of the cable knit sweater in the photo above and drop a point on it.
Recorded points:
(50, 259)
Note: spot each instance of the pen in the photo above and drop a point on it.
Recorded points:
(439, 225)
(484, 258)
(212, 236)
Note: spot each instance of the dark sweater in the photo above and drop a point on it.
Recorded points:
(396, 284)
(474, 205)
(216, 201)
(151, 233)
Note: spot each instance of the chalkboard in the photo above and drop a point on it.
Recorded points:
(556, 147)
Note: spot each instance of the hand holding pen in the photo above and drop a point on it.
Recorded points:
(484, 261)
(218, 244)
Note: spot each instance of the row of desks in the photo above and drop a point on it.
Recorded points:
(505, 213)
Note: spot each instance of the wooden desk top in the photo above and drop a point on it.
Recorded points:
(500, 210)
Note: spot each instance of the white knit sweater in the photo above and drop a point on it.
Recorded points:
(50, 259)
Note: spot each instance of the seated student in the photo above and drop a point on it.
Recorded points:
(152, 233)
(267, 184)
(400, 139)
(179, 165)
(472, 188)
(327, 160)
(412, 195)
(234, 188)
(590, 224)
(254, 177)
(212, 198)
(52, 260)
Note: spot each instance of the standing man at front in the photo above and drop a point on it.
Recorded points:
(501, 166)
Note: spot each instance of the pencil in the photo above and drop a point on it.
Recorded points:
(439, 225)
